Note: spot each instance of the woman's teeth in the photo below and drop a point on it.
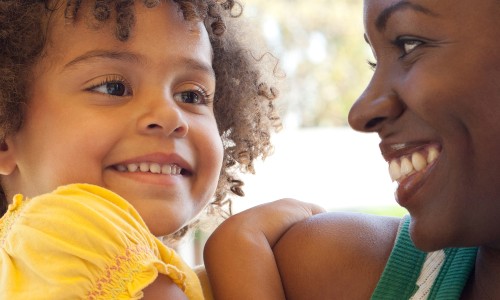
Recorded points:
(155, 168)
(407, 165)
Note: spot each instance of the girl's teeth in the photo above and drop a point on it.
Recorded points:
(154, 168)
(132, 167)
(144, 167)
(121, 168)
(166, 169)
(407, 165)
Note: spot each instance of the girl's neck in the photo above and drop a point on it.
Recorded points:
(484, 281)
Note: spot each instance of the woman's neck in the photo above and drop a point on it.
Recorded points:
(485, 280)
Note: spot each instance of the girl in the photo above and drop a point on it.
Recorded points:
(120, 120)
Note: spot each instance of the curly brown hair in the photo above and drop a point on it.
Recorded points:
(243, 107)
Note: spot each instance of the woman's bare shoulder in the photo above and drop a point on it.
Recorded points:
(335, 255)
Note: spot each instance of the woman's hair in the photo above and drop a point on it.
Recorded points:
(243, 103)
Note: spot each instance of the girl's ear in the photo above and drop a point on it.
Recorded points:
(7, 158)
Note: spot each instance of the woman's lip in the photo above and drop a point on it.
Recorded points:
(410, 185)
(392, 151)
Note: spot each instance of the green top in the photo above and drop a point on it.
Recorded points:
(405, 263)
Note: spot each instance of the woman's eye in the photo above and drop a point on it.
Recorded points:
(372, 65)
(408, 45)
(113, 88)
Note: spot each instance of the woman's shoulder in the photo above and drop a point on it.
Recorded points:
(324, 256)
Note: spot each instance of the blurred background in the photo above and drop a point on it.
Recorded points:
(318, 158)
(321, 49)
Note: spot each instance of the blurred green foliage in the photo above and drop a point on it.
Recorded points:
(321, 49)
(393, 210)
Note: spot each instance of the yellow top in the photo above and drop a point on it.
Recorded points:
(83, 242)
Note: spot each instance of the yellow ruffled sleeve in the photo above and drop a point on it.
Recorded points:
(83, 242)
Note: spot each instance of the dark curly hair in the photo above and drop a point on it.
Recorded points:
(244, 94)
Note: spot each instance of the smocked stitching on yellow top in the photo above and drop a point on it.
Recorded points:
(123, 270)
(10, 217)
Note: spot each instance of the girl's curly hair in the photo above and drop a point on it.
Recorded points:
(243, 106)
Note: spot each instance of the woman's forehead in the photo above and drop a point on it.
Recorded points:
(441, 7)
(452, 12)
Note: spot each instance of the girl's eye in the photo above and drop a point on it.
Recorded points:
(190, 97)
(113, 87)
(196, 96)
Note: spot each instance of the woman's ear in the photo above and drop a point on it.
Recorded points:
(7, 157)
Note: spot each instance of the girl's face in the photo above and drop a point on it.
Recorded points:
(434, 100)
(135, 117)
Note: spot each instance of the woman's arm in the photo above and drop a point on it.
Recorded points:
(337, 255)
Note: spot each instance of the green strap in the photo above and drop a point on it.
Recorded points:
(454, 274)
(405, 263)
(402, 270)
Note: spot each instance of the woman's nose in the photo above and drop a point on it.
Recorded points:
(377, 106)
(164, 117)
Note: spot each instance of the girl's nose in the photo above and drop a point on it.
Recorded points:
(164, 117)
(377, 106)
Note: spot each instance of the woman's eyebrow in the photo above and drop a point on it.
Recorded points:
(384, 16)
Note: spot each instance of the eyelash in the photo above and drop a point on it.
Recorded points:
(112, 79)
(401, 43)
(205, 97)
(372, 64)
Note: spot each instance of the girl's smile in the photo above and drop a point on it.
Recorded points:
(162, 169)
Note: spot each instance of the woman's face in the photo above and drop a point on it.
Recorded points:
(434, 100)
(135, 117)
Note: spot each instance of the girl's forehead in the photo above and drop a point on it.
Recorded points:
(116, 15)
(117, 20)
(159, 33)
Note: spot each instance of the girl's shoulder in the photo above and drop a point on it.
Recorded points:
(335, 255)
(84, 236)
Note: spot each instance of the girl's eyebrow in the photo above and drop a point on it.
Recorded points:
(385, 15)
(106, 54)
(184, 62)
